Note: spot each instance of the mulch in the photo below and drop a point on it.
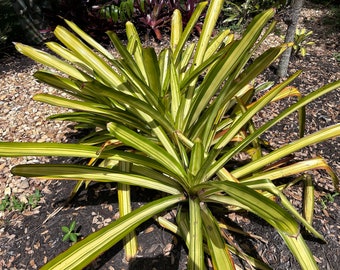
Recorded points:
(30, 238)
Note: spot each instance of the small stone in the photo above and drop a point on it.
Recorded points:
(8, 191)
(23, 198)
(2, 166)
(24, 184)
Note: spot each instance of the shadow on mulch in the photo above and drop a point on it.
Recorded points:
(35, 243)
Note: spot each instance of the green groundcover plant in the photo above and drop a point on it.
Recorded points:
(177, 122)
(70, 232)
(9, 203)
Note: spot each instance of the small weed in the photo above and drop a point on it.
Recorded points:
(337, 56)
(17, 204)
(14, 203)
(70, 233)
(34, 199)
(5, 203)
(328, 198)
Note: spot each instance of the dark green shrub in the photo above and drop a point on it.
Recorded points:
(24, 21)
(155, 15)
(237, 12)
(8, 20)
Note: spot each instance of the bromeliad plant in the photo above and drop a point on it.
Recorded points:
(301, 41)
(118, 13)
(178, 123)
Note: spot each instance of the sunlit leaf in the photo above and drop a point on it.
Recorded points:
(78, 172)
(83, 252)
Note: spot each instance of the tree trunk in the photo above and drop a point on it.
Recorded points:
(291, 21)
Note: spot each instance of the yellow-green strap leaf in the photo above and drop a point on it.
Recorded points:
(151, 149)
(79, 173)
(84, 252)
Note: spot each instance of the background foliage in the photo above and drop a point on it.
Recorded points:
(31, 21)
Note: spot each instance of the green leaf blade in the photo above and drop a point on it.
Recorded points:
(52, 61)
(81, 173)
(138, 142)
(196, 254)
(319, 136)
(275, 215)
(218, 251)
(85, 251)
(301, 251)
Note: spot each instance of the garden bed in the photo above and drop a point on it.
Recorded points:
(31, 238)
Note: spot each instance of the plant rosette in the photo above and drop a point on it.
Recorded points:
(176, 123)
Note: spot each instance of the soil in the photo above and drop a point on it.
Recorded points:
(30, 238)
